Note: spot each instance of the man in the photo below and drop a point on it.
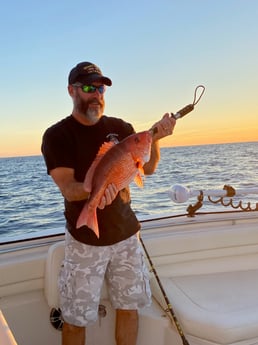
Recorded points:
(69, 148)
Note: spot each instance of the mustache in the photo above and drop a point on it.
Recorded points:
(95, 100)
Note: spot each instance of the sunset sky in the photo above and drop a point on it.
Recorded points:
(155, 51)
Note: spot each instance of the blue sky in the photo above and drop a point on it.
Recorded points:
(155, 52)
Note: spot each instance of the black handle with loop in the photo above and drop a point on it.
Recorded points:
(188, 108)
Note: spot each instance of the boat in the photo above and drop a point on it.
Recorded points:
(203, 271)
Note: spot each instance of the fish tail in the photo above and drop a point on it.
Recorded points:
(88, 217)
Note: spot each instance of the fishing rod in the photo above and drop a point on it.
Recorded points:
(179, 114)
(180, 194)
(169, 306)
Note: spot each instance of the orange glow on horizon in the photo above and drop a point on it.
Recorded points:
(32, 148)
(206, 139)
(188, 132)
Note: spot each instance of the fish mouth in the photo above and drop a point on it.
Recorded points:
(146, 157)
(149, 137)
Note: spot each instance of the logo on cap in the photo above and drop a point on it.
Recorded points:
(92, 69)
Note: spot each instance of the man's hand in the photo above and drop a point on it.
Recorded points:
(164, 127)
(109, 195)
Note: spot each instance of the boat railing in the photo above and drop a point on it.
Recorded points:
(225, 197)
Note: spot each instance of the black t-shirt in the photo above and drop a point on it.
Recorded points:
(73, 145)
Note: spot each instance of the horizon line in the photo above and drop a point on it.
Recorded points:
(161, 147)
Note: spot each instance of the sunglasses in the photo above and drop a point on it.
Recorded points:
(90, 88)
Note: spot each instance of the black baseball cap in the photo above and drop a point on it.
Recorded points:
(87, 73)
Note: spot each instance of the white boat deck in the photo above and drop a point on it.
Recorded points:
(208, 266)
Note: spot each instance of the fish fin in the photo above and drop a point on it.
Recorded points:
(138, 180)
(105, 147)
(88, 217)
(87, 184)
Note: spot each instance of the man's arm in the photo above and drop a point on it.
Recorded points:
(163, 128)
(151, 165)
(73, 190)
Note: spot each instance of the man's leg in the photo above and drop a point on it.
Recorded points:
(73, 335)
(80, 283)
(126, 327)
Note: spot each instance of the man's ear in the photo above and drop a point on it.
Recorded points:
(70, 89)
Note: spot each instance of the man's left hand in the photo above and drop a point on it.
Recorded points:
(109, 195)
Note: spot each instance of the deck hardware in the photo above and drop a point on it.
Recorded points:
(102, 312)
(56, 318)
(226, 196)
(238, 205)
(230, 190)
(191, 209)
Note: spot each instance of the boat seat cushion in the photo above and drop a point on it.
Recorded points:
(219, 307)
(54, 260)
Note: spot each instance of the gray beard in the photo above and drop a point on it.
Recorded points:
(92, 115)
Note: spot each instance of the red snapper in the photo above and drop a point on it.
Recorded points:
(119, 164)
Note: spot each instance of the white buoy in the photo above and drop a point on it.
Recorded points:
(178, 193)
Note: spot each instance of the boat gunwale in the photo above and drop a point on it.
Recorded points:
(148, 226)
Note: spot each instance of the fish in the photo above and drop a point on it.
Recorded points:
(118, 163)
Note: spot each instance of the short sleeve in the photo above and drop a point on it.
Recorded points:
(56, 149)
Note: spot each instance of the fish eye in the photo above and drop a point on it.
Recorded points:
(137, 140)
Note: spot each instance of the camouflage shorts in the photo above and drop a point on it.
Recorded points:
(84, 269)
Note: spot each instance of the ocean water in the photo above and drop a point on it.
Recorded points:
(30, 201)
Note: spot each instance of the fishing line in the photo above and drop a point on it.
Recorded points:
(169, 306)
